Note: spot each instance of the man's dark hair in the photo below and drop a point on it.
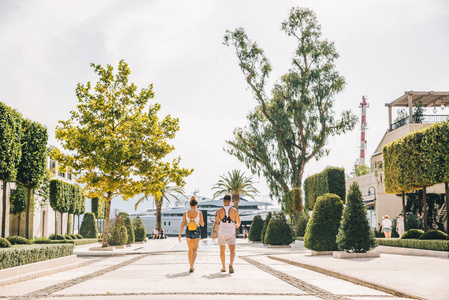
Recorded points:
(227, 198)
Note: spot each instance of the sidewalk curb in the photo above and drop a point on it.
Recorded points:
(355, 280)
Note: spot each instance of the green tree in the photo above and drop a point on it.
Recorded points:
(18, 200)
(10, 151)
(265, 226)
(236, 184)
(354, 234)
(361, 170)
(88, 227)
(292, 204)
(255, 230)
(301, 225)
(33, 163)
(278, 231)
(139, 229)
(292, 125)
(114, 134)
(119, 234)
(322, 229)
(129, 227)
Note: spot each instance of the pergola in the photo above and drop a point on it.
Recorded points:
(410, 98)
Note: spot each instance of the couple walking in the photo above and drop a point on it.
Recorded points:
(226, 219)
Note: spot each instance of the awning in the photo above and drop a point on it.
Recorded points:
(369, 202)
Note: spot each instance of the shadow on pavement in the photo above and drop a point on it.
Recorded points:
(177, 275)
(216, 275)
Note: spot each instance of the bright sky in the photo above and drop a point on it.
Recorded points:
(386, 47)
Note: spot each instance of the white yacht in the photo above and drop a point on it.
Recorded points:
(172, 215)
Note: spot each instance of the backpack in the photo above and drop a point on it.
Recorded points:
(191, 226)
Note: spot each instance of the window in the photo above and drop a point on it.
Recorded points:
(164, 223)
(168, 223)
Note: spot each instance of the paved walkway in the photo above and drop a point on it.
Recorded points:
(159, 269)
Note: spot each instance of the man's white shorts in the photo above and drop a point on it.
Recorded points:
(224, 239)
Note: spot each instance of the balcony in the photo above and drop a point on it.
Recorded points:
(428, 119)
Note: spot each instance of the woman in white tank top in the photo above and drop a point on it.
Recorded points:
(194, 219)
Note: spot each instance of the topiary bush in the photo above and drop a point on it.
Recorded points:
(354, 234)
(278, 231)
(129, 227)
(68, 237)
(265, 226)
(60, 237)
(433, 234)
(301, 225)
(322, 229)
(18, 240)
(139, 230)
(88, 227)
(255, 230)
(412, 234)
(118, 235)
(27, 254)
(79, 236)
(4, 243)
(73, 236)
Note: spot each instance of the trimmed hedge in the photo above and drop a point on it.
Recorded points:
(265, 226)
(139, 230)
(278, 231)
(79, 236)
(88, 227)
(256, 229)
(118, 235)
(27, 254)
(330, 180)
(412, 234)
(18, 240)
(436, 245)
(129, 227)
(323, 227)
(98, 207)
(4, 243)
(433, 234)
(68, 237)
(73, 242)
(301, 225)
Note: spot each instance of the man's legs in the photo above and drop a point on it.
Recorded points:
(223, 257)
(232, 256)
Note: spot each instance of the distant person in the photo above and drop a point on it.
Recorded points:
(155, 233)
(400, 225)
(194, 220)
(162, 235)
(245, 233)
(227, 218)
(386, 226)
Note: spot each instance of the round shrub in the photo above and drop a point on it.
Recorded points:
(4, 243)
(354, 234)
(433, 234)
(255, 230)
(129, 227)
(88, 227)
(278, 231)
(139, 230)
(322, 229)
(118, 235)
(79, 236)
(59, 237)
(73, 236)
(301, 225)
(265, 226)
(68, 237)
(412, 234)
(42, 240)
(18, 240)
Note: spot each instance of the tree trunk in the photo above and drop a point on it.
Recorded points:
(424, 198)
(4, 210)
(62, 223)
(18, 224)
(56, 223)
(404, 211)
(159, 215)
(236, 199)
(106, 225)
(446, 187)
(73, 223)
(27, 229)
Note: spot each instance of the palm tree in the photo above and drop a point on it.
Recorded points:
(236, 184)
(167, 190)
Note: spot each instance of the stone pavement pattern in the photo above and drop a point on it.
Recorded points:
(159, 270)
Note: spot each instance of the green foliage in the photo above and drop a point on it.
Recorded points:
(433, 234)
(255, 230)
(416, 244)
(361, 170)
(79, 236)
(59, 237)
(129, 227)
(322, 229)
(27, 254)
(330, 180)
(278, 231)
(265, 226)
(413, 221)
(118, 235)
(301, 225)
(18, 200)
(73, 236)
(97, 207)
(291, 125)
(292, 204)
(4, 243)
(414, 208)
(88, 227)
(18, 240)
(75, 242)
(68, 237)
(66, 197)
(412, 234)
(139, 230)
(354, 234)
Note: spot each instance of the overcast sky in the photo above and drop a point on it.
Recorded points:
(386, 47)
